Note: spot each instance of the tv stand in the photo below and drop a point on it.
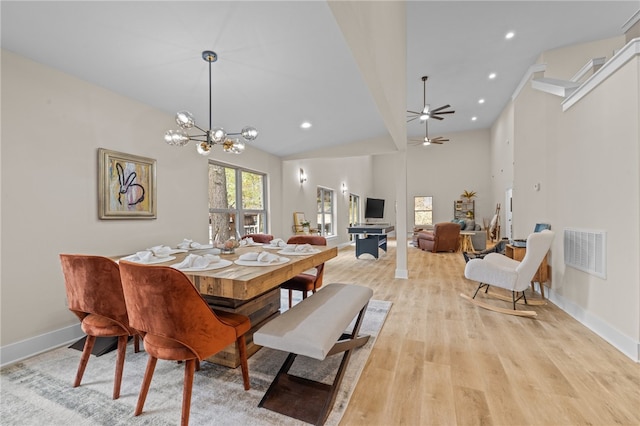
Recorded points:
(370, 238)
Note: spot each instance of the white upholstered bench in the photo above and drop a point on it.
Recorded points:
(315, 328)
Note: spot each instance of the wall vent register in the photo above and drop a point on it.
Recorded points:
(586, 250)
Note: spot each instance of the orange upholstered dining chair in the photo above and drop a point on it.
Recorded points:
(306, 281)
(94, 294)
(259, 238)
(177, 324)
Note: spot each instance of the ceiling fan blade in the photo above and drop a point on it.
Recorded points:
(414, 112)
(436, 142)
(436, 117)
(414, 118)
(439, 108)
(443, 112)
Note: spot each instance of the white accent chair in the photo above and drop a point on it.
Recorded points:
(501, 271)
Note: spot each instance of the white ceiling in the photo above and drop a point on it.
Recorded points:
(284, 62)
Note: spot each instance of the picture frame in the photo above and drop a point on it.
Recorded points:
(126, 186)
(298, 220)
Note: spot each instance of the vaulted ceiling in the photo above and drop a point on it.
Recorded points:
(281, 63)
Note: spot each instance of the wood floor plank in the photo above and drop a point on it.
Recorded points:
(439, 360)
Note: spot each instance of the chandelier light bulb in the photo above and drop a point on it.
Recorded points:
(203, 148)
(218, 135)
(185, 120)
(238, 147)
(176, 137)
(249, 133)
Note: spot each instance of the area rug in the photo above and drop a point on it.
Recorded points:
(39, 391)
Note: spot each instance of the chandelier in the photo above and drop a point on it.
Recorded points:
(214, 136)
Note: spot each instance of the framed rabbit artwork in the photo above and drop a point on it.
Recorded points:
(126, 186)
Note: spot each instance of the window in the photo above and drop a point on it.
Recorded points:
(237, 202)
(354, 212)
(325, 212)
(422, 211)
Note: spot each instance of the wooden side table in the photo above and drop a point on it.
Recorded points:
(542, 274)
(465, 242)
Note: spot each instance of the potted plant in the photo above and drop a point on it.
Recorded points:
(468, 195)
(305, 226)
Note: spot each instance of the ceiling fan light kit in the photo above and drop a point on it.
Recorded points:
(213, 136)
(424, 115)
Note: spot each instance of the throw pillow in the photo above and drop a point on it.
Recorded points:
(470, 224)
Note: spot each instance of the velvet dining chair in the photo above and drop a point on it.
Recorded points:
(259, 238)
(94, 294)
(306, 281)
(177, 324)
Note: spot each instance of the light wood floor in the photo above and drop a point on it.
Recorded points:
(440, 360)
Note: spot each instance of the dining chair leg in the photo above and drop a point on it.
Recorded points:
(189, 368)
(242, 348)
(290, 297)
(136, 343)
(122, 350)
(146, 382)
(84, 359)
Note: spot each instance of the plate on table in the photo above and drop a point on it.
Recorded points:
(269, 246)
(201, 247)
(151, 262)
(298, 253)
(251, 245)
(282, 261)
(222, 263)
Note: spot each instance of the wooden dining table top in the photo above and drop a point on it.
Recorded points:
(247, 282)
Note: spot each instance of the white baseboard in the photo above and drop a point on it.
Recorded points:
(24, 349)
(623, 343)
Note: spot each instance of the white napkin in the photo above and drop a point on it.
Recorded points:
(145, 256)
(267, 257)
(185, 244)
(278, 242)
(247, 241)
(304, 248)
(161, 251)
(251, 256)
(195, 261)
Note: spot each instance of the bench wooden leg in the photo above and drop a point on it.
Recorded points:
(309, 400)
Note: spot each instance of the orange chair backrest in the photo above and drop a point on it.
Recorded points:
(162, 301)
(314, 240)
(260, 238)
(93, 287)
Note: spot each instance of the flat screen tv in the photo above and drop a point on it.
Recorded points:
(374, 209)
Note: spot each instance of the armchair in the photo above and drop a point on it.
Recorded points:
(500, 271)
(444, 237)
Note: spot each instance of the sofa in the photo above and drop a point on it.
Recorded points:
(444, 237)
(479, 240)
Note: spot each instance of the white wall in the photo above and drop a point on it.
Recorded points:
(329, 173)
(586, 160)
(52, 127)
(445, 171)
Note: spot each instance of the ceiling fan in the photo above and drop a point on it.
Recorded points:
(427, 112)
(426, 140)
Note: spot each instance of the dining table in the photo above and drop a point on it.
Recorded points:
(252, 290)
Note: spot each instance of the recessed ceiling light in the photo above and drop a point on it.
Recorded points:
(305, 125)
(474, 118)
(509, 35)
(480, 101)
(492, 76)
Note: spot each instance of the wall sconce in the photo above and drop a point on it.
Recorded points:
(344, 188)
(303, 176)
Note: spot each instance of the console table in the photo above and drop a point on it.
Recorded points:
(542, 274)
(370, 238)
